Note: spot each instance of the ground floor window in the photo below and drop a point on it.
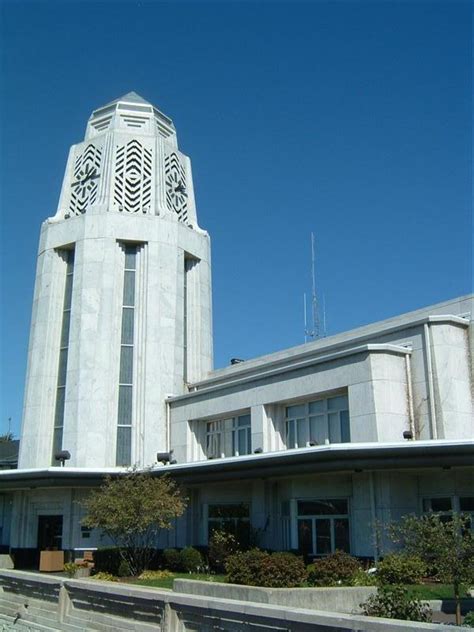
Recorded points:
(231, 517)
(323, 526)
(445, 505)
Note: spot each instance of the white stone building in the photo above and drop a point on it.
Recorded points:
(309, 446)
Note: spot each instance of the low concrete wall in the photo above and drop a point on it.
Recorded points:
(84, 604)
(344, 599)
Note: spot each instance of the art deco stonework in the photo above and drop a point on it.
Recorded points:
(98, 372)
(310, 446)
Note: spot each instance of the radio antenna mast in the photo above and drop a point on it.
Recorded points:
(314, 333)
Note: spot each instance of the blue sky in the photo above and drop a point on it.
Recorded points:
(349, 119)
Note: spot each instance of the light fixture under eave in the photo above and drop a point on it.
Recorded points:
(164, 457)
(62, 456)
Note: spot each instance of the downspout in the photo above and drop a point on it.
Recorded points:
(411, 412)
(431, 392)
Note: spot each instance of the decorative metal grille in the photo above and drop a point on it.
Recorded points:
(176, 196)
(84, 187)
(133, 169)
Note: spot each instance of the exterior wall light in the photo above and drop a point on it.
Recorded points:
(164, 457)
(62, 457)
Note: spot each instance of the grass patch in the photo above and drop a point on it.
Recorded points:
(167, 582)
(433, 591)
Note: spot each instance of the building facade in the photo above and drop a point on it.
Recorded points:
(307, 448)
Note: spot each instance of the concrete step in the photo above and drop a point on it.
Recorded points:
(26, 625)
(107, 622)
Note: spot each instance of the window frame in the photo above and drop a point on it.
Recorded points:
(332, 518)
(300, 429)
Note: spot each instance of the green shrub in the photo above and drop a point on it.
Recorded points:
(397, 568)
(469, 620)
(284, 570)
(190, 560)
(258, 568)
(333, 570)
(393, 602)
(221, 545)
(172, 559)
(363, 578)
(124, 569)
(244, 567)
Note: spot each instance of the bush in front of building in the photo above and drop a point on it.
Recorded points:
(337, 569)
(271, 570)
(398, 568)
(394, 602)
(171, 560)
(222, 545)
(190, 560)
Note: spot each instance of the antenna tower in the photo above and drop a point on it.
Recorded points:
(314, 332)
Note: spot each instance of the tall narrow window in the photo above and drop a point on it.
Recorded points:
(185, 320)
(189, 311)
(124, 419)
(63, 352)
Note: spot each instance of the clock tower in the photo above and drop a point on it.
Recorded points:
(122, 305)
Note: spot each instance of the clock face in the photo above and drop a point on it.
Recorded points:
(176, 193)
(85, 180)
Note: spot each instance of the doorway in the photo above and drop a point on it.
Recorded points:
(50, 533)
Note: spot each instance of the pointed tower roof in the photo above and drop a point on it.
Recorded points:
(116, 115)
(130, 97)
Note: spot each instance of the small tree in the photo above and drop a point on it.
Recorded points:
(131, 510)
(446, 546)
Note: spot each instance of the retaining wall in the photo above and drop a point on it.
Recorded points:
(344, 599)
(57, 604)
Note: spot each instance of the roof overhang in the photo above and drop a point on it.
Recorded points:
(316, 460)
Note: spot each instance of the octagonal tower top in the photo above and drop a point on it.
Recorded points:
(134, 114)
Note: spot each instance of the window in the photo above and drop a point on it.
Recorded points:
(125, 392)
(445, 505)
(318, 422)
(85, 532)
(233, 518)
(241, 435)
(323, 526)
(68, 256)
(228, 437)
(214, 432)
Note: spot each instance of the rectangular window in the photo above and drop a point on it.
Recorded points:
(68, 256)
(125, 389)
(214, 439)
(318, 422)
(231, 517)
(241, 435)
(323, 526)
(228, 437)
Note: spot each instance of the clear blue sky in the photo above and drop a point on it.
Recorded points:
(349, 119)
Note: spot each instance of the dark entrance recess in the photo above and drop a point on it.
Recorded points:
(50, 533)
